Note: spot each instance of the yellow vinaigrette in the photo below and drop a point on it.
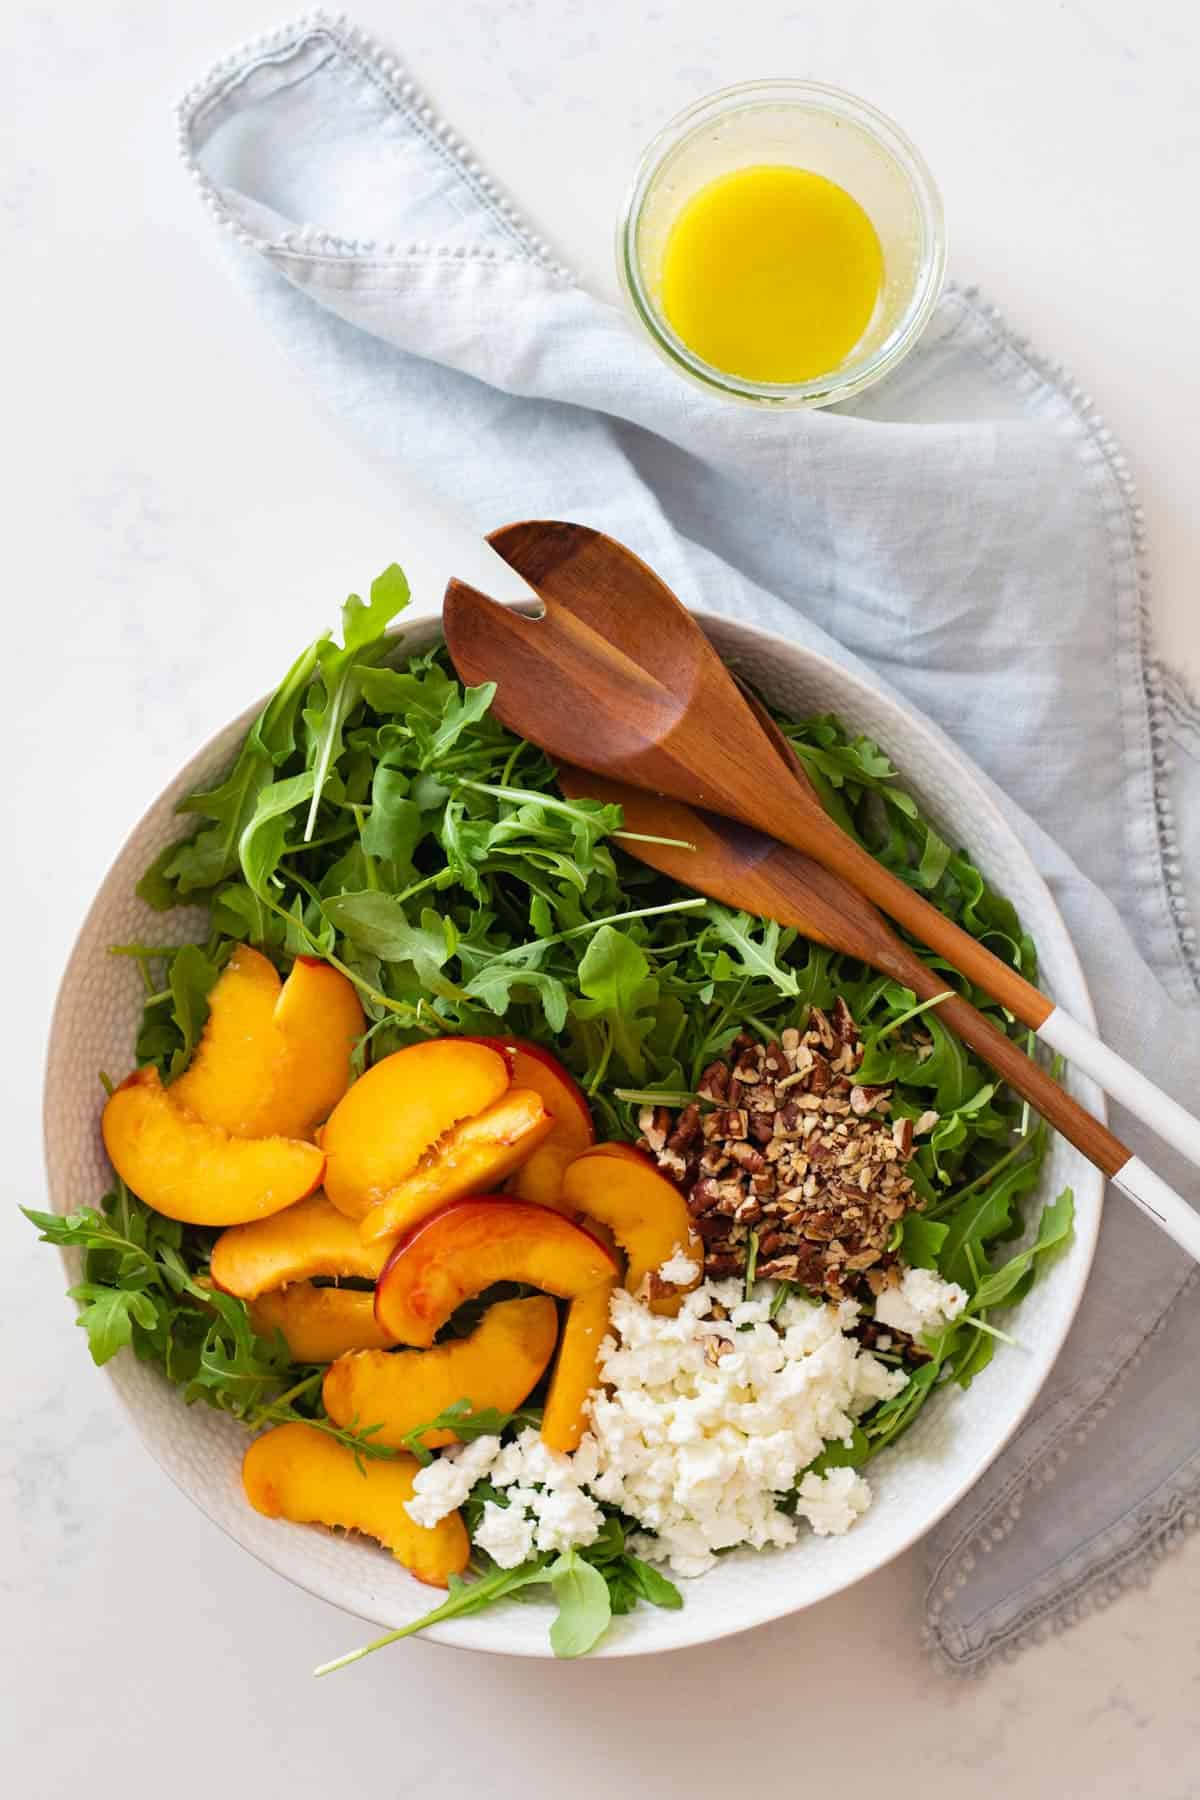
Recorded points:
(771, 273)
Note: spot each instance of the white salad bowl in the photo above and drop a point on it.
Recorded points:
(955, 1437)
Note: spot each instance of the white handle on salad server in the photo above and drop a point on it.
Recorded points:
(1173, 1123)
(1151, 1195)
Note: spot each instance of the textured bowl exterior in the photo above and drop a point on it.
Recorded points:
(955, 1438)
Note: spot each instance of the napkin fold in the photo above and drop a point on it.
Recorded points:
(967, 532)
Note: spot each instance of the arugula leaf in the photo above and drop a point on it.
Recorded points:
(466, 1597)
(460, 711)
(211, 856)
(234, 1362)
(192, 978)
(467, 1424)
(339, 671)
(985, 1215)
(262, 842)
(422, 693)
(757, 945)
(922, 1241)
(971, 1361)
(1010, 1282)
(396, 824)
(108, 1315)
(496, 988)
(584, 1608)
(619, 991)
(650, 1584)
(378, 923)
(887, 1422)
(837, 1455)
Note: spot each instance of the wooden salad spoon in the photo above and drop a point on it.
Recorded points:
(742, 868)
(617, 677)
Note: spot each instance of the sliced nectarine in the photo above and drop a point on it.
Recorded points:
(319, 1324)
(399, 1109)
(319, 1019)
(540, 1178)
(620, 1187)
(468, 1246)
(499, 1364)
(472, 1158)
(629, 1152)
(296, 1472)
(196, 1172)
(576, 1372)
(272, 1060)
(311, 1238)
(231, 1071)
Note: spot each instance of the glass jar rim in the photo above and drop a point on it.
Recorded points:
(888, 136)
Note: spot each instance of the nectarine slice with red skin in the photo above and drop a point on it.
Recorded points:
(540, 1178)
(577, 1370)
(473, 1158)
(273, 1058)
(466, 1247)
(399, 1109)
(296, 1472)
(195, 1172)
(310, 1238)
(319, 1324)
(499, 1365)
(620, 1187)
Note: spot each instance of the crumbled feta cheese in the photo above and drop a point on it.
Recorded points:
(505, 1533)
(833, 1501)
(544, 1488)
(444, 1485)
(922, 1302)
(696, 1447)
(679, 1269)
(565, 1516)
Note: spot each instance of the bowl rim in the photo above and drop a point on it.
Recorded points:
(470, 1633)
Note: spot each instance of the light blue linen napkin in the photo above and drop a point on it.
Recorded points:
(967, 532)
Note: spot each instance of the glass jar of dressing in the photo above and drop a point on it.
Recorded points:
(783, 243)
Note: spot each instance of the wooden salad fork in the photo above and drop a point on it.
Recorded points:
(742, 868)
(617, 677)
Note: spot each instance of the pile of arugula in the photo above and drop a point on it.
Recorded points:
(379, 816)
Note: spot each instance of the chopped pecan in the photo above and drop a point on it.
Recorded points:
(864, 1100)
(654, 1122)
(842, 1021)
(779, 1268)
(712, 1228)
(687, 1128)
(796, 1151)
(714, 1083)
(748, 1158)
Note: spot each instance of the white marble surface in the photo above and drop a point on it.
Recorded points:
(177, 522)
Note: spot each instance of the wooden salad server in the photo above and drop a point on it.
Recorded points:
(742, 868)
(617, 677)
